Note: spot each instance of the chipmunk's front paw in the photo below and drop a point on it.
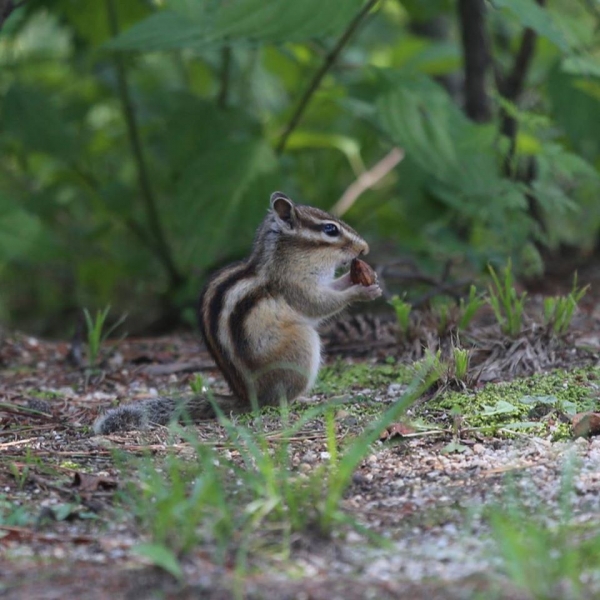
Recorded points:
(368, 292)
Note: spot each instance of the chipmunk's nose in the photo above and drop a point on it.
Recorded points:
(364, 248)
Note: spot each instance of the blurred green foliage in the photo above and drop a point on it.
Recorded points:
(141, 139)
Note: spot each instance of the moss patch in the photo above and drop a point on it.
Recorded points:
(342, 377)
(537, 404)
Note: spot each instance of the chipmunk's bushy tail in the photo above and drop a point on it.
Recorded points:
(161, 411)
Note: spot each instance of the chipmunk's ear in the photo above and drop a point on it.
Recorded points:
(283, 208)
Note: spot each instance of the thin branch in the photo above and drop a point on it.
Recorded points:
(328, 62)
(225, 76)
(162, 249)
(140, 233)
(511, 85)
(477, 61)
(367, 180)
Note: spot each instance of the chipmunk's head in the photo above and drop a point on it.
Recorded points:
(314, 234)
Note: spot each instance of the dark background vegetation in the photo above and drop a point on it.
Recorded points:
(140, 139)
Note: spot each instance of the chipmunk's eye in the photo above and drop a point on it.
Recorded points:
(331, 229)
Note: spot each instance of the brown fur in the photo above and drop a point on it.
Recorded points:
(258, 317)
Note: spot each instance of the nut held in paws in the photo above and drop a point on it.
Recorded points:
(361, 273)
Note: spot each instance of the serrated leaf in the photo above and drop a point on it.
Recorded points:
(161, 556)
(532, 15)
(459, 157)
(239, 21)
(581, 65)
(281, 20)
(164, 30)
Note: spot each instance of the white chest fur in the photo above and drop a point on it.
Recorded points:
(315, 362)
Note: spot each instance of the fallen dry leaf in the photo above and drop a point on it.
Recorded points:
(87, 483)
(586, 424)
(396, 430)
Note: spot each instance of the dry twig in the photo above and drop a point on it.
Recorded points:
(367, 180)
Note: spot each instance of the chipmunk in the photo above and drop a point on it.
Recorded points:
(259, 317)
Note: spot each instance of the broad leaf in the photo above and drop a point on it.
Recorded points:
(32, 118)
(163, 30)
(276, 21)
(18, 231)
(582, 65)
(532, 15)
(502, 407)
(459, 156)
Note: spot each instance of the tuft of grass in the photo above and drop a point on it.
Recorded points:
(251, 496)
(14, 514)
(96, 333)
(402, 310)
(443, 316)
(197, 384)
(182, 502)
(452, 373)
(559, 310)
(469, 307)
(507, 304)
(460, 361)
(452, 318)
(548, 556)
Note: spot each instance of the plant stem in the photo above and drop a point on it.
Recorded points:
(328, 61)
(162, 249)
(225, 75)
(510, 87)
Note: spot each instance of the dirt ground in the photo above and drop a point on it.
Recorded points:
(62, 535)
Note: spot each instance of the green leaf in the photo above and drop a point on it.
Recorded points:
(90, 19)
(283, 21)
(238, 21)
(531, 15)
(30, 116)
(458, 156)
(569, 407)
(163, 30)
(161, 556)
(18, 232)
(581, 65)
(424, 11)
(519, 425)
(502, 407)
(453, 447)
(63, 511)
(301, 139)
(538, 400)
(575, 111)
(211, 213)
